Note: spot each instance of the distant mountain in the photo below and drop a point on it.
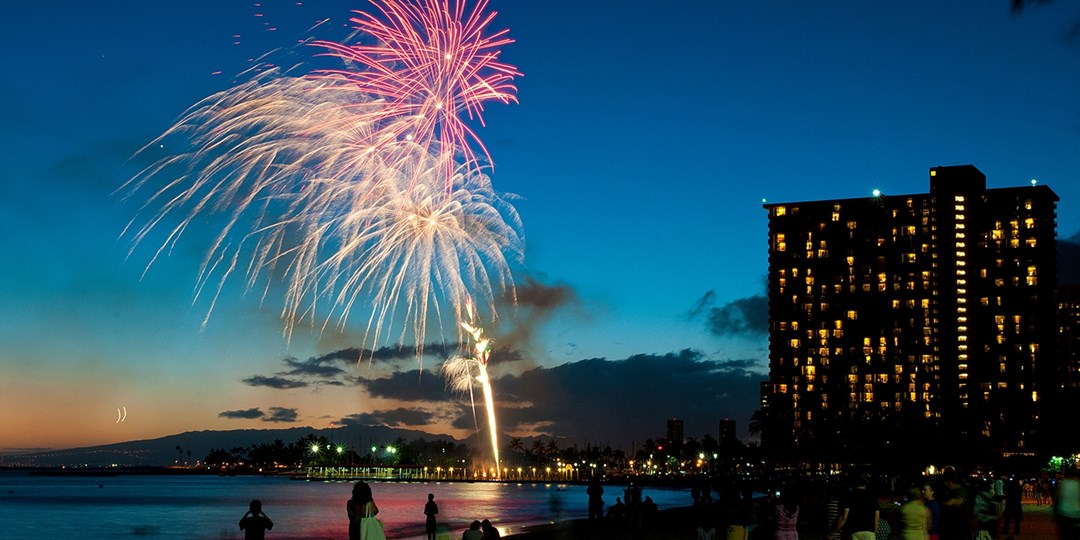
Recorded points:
(163, 451)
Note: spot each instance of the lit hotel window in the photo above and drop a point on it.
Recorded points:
(852, 314)
(780, 210)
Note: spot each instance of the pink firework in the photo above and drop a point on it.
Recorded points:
(432, 63)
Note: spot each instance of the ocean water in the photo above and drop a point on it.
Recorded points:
(211, 506)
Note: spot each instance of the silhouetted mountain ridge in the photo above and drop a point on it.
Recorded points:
(163, 451)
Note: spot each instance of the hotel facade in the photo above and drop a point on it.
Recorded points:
(914, 324)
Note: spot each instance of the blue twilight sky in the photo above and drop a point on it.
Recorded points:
(647, 136)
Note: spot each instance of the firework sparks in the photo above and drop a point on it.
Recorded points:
(354, 188)
(464, 372)
(431, 62)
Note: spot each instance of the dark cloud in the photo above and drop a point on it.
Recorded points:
(315, 367)
(408, 354)
(702, 305)
(281, 383)
(281, 414)
(748, 315)
(632, 397)
(400, 417)
(414, 385)
(242, 414)
(344, 367)
(625, 400)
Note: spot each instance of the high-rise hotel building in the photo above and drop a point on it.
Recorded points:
(927, 314)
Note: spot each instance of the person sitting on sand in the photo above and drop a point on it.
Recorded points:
(616, 510)
(474, 532)
(490, 532)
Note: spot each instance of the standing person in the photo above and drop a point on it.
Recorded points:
(915, 517)
(956, 508)
(255, 523)
(361, 508)
(1067, 506)
(860, 515)
(832, 513)
(933, 508)
(986, 509)
(1014, 507)
(787, 517)
(596, 499)
(430, 510)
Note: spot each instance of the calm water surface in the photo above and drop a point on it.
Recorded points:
(211, 506)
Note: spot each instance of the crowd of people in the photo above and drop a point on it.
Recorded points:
(950, 506)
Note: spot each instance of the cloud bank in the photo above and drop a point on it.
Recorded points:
(596, 400)
(743, 316)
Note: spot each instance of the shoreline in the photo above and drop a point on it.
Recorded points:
(670, 523)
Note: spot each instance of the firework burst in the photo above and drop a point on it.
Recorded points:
(432, 63)
(355, 188)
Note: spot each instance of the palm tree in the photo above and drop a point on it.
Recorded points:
(516, 447)
(538, 449)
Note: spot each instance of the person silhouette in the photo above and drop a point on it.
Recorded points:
(489, 530)
(360, 507)
(430, 510)
(474, 532)
(595, 492)
(255, 523)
